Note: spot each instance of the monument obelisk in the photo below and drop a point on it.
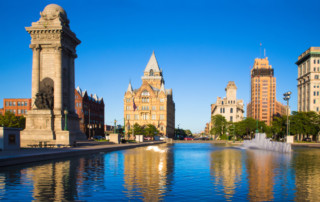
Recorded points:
(52, 118)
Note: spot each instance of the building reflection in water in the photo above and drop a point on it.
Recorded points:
(307, 168)
(148, 173)
(260, 171)
(226, 169)
(58, 181)
(53, 181)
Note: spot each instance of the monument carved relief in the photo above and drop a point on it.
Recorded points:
(44, 98)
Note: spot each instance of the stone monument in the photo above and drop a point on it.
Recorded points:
(53, 81)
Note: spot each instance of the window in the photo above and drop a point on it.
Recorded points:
(145, 100)
(79, 104)
(161, 107)
(7, 103)
(19, 111)
(154, 108)
(316, 77)
(314, 93)
(128, 107)
(153, 117)
(145, 116)
(314, 61)
(25, 104)
(14, 111)
(161, 99)
(231, 110)
(161, 117)
(145, 107)
(18, 103)
(14, 103)
(128, 99)
(128, 117)
(145, 93)
(151, 72)
(231, 118)
(10, 103)
(25, 111)
(314, 101)
(161, 128)
(136, 117)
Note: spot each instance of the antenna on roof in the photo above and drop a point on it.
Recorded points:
(264, 52)
(260, 48)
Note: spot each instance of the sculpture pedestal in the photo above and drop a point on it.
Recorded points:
(290, 139)
(115, 138)
(43, 126)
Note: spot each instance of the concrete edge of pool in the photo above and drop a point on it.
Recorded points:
(19, 157)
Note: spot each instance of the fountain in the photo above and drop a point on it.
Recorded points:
(261, 142)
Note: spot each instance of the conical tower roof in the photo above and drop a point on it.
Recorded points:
(152, 64)
(129, 88)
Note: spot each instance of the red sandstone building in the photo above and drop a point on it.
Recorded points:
(18, 106)
(90, 110)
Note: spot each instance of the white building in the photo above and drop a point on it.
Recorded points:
(309, 80)
(229, 107)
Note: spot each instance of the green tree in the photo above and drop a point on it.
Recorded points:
(138, 130)
(12, 121)
(188, 132)
(150, 130)
(219, 125)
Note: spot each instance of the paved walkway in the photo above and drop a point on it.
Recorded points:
(313, 145)
(27, 155)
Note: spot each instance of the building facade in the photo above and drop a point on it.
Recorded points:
(229, 107)
(309, 80)
(151, 103)
(263, 105)
(18, 106)
(90, 110)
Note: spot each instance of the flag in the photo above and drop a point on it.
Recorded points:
(134, 105)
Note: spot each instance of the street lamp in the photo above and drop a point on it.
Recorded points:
(115, 130)
(65, 119)
(287, 98)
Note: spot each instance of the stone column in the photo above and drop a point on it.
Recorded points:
(58, 81)
(35, 73)
(71, 84)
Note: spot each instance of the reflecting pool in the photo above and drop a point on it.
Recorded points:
(172, 172)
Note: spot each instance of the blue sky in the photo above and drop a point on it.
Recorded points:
(200, 45)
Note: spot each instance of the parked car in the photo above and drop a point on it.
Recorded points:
(147, 138)
(97, 137)
(188, 138)
(307, 139)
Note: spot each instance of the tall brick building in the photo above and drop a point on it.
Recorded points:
(90, 110)
(18, 106)
(264, 105)
(151, 103)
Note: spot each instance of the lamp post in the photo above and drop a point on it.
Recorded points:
(65, 119)
(115, 130)
(287, 98)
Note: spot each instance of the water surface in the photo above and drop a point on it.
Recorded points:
(173, 172)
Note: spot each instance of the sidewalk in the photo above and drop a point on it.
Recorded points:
(27, 155)
(310, 145)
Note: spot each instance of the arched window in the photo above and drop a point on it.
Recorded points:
(151, 72)
(145, 93)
